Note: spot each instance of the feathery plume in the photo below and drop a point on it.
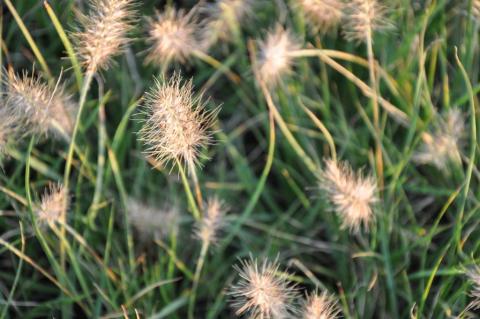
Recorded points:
(322, 15)
(476, 8)
(363, 17)
(151, 222)
(10, 127)
(474, 276)
(41, 107)
(320, 306)
(212, 222)
(173, 35)
(274, 56)
(262, 291)
(443, 144)
(177, 125)
(224, 17)
(103, 32)
(351, 194)
(53, 205)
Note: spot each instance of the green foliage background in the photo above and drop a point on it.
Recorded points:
(411, 264)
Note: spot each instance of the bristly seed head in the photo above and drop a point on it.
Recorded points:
(474, 276)
(54, 205)
(262, 291)
(363, 17)
(320, 306)
(41, 107)
(177, 125)
(352, 194)
(274, 57)
(322, 15)
(212, 222)
(103, 32)
(10, 127)
(476, 9)
(442, 145)
(151, 222)
(223, 19)
(173, 35)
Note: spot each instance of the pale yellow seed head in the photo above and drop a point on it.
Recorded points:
(322, 15)
(177, 125)
(103, 32)
(212, 222)
(442, 145)
(476, 9)
(351, 194)
(274, 60)
(41, 107)
(54, 205)
(173, 35)
(474, 276)
(262, 291)
(320, 306)
(151, 222)
(363, 18)
(224, 18)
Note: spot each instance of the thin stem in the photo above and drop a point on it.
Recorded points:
(190, 198)
(196, 278)
(68, 163)
(196, 184)
(376, 111)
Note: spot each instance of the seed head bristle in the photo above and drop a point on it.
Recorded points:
(322, 15)
(351, 194)
(262, 291)
(274, 57)
(474, 276)
(173, 35)
(442, 145)
(212, 222)
(363, 17)
(476, 9)
(223, 17)
(54, 205)
(177, 125)
(151, 222)
(42, 108)
(10, 127)
(320, 306)
(103, 32)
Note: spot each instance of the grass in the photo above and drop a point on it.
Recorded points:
(269, 148)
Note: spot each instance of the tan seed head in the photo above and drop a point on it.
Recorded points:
(54, 205)
(177, 125)
(212, 222)
(322, 15)
(320, 306)
(351, 194)
(262, 291)
(363, 17)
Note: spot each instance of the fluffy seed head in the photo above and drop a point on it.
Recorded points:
(274, 55)
(223, 19)
(476, 9)
(352, 194)
(10, 127)
(363, 17)
(41, 107)
(177, 125)
(54, 205)
(173, 36)
(212, 222)
(443, 144)
(474, 276)
(262, 291)
(320, 306)
(103, 32)
(151, 222)
(322, 15)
